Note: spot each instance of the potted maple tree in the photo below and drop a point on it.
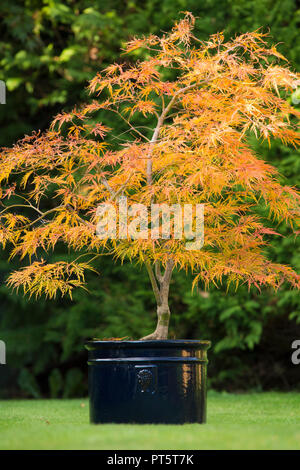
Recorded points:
(183, 115)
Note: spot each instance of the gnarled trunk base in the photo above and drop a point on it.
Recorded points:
(162, 328)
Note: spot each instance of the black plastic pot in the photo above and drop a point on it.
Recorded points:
(147, 381)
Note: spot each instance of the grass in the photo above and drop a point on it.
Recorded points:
(250, 421)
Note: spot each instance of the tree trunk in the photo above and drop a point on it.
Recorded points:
(160, 285)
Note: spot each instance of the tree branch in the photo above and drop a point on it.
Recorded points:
(158, 271)
(158, 127)
(154, 283)
(105, 183)
(165, 284)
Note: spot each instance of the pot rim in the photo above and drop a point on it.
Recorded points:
(167, 343)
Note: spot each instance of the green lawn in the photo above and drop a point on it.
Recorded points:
(250, 421)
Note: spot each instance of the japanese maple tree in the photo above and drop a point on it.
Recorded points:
(183, 119)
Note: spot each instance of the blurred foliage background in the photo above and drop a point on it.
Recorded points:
(48, 51)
